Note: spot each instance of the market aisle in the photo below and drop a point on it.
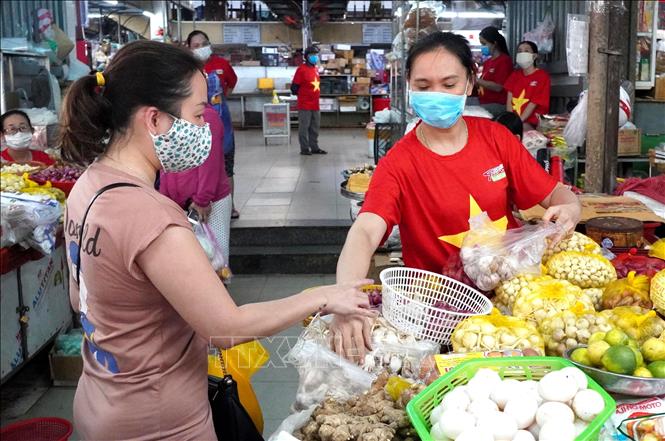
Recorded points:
(28, 395)
(276, 184)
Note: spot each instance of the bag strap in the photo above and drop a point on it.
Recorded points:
(85, 217)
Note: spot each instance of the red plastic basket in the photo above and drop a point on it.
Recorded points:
(38, 429)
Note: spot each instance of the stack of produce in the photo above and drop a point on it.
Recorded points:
(359, 182)
(507, 291)
(548, 297)
(495, 332)
(586, 270)
(631, 291)
(18, 168)
(642, 265)
(575, 242)
(638, 323)
(374, 415)
(557, 408)
(615, 352)
(58, 174)
(566, 330)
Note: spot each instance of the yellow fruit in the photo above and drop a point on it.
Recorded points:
(657, 368)
(653, 349)
(597, 336)
(596, 350)
(639, 359)
(581, 356)
(616, 337)
(620, 360)
(643, 372)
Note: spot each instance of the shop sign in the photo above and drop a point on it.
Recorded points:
(377, 33)
(242, 34)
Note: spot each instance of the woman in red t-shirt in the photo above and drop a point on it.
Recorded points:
(446, 170)
(528, 87)
(17, 132)
(496, 70)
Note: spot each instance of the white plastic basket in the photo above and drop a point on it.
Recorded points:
(409, 296)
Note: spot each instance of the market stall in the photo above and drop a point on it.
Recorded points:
(35, 280)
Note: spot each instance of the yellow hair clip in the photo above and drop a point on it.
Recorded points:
(101, 81)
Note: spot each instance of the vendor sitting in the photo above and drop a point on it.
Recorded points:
(17, 137)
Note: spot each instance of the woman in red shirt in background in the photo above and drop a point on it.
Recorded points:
(528, 87)
(17, 136)
(199, 43)
(446, 170)
(496, 70)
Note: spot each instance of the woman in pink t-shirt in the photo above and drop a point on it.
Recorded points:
(148, 298)
(205, 189)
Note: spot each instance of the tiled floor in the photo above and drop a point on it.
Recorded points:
(275, 183)
(29, 395)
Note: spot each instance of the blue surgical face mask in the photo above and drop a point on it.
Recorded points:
(438, 109)
(485, 50)
(313, 59)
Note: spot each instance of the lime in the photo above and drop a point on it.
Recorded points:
(643, 372)
(620, 360)
(633, 344)
(639, 359)
(581, 356)
(616, 337)
(654, 349)
(596, 350)
(597, 336)
(657, 368)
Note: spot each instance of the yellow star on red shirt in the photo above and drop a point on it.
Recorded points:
(519, 102)
(474, 210)
(315, 84)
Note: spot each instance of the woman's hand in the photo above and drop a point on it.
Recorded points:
(345, 299)
(566, 216)
(204, 212)
(352, 336)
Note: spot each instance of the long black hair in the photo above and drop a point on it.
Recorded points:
(492, 34)
(99, 107)
(453, 43)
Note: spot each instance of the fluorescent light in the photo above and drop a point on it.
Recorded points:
(148, 14)
(94, 15)
(472, 14)
(111, 2)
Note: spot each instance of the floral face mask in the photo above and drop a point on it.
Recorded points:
(184, 146)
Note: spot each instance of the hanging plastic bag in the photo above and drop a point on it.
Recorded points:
(542, 34)
(241, 362)
(212, 249)
(631, 291)
(491, 255)
(31, 220)
(495, 332)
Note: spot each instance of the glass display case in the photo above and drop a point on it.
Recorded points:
(647, 35)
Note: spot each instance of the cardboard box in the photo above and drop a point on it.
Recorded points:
(629, 143)
(348, 54)
(381, 261)
(363, 80)
(65, 369)
(358, 61)
(359, 71)
(595, 205)
(660, 88)
(341, 62)
(360, 89)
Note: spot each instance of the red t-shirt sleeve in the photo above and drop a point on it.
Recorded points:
(503, 69)
(383, 196)
(230, 77)
(529, 183)
(541, 95)
(509, 85)
(297, 78)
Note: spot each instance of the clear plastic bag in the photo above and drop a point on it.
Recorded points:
(631, 291)
(30, 220)
(491, 255)
(212, 249)
(542, 34)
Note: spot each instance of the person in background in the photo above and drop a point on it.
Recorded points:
(206, 188)
(528, 87)
(199, 43)
(512, 122)
(17, 136)
(148, 298)
(496, 70)
(305, 84)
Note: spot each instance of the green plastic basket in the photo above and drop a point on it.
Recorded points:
(517, 368)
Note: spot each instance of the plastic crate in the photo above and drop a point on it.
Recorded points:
(517, 368)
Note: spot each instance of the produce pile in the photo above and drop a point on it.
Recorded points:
(559, 407)
(376, 415)
(58, 174)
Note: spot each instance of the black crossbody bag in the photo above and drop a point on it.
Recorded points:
(231, 420)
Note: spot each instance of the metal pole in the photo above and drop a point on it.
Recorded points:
(179, 22)
(117, 15)
(305, 24)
